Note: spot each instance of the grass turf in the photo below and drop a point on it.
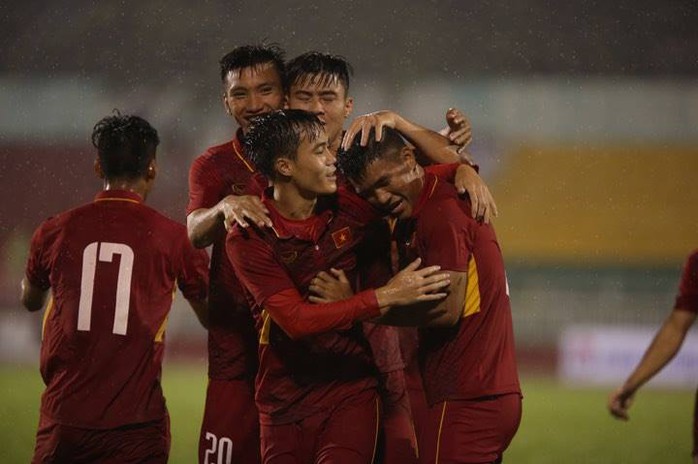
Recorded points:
(560, 424)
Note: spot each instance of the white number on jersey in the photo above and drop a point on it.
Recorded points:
(222, 447)
(107, 251)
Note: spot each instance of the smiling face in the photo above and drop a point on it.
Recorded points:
(313, 170)
(392, 183)
(325, 96)
(252, 91)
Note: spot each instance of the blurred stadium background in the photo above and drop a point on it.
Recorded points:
(585, 120)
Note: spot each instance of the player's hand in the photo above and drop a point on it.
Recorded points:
(363, 125)
(329, 287)
(619, 402)
(244, 209)
(483, 206)
(458, 130)
(413, 285)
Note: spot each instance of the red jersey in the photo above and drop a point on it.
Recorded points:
(687, 298)
(232, 346)
(475, 357)
(308, 362)
(112, 267)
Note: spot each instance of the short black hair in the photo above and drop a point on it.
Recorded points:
(353, 161)
(315, 65)
(247, 56)
(278, 134)
(125, 145)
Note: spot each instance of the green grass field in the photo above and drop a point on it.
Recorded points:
(560, 425)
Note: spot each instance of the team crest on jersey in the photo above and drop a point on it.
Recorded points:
(341, 237)
(287, 257)
(238, 189)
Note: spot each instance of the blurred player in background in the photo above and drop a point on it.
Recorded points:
(252, 78)
(316, 387)
(112, 266)
(664, 347)
(466, 345)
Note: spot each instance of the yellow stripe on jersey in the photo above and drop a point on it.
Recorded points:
(160, 335)
(266, 327)
(49, 308)
(472, 291)
(129, 200)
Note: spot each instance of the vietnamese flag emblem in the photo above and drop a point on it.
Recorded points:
(341, 237)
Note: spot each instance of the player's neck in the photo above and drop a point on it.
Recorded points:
(292, 203)
(138, 186)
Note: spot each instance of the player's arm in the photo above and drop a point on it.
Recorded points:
(442, 313)
(192, 279)
(208, 216)
(433, 146)
(204, 225)
(274, 290)
(663, 348)
(33, 297)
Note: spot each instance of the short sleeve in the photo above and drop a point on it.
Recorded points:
(193, 277)
(38, 264)
(205, 184)
(255, 265)
(687, 298)
(444, 236)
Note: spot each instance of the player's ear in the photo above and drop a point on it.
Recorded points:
(152, 171)
(408, 157)
(283, 166)
(348, 107)
(98, 169)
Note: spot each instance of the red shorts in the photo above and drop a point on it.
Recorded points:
(470, 431)
(147, 443)
(398, 443)
(230, 428)
(347, 434)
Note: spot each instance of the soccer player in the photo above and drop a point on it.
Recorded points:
(252, 79)
(664, 347)
(316, 389)
(319, 83)
(466, 345)
(112, 266)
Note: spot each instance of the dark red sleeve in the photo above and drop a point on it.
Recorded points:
(444, 236)
(38, 265)
(206, 185)
(193, 277)
(687, 298)
(447, 172)
(356, 207)
(272, 289)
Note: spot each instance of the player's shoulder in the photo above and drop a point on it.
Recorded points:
(214, 154)
(160, 221)
(692, 262)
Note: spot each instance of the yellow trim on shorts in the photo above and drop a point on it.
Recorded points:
(378, 423)
(266, 328)
(438, 437)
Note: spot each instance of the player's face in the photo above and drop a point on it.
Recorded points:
(313, 171)
(326, 97)
(252, 91)
(392, 185)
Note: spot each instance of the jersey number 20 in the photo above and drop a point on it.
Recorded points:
(90, 258)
